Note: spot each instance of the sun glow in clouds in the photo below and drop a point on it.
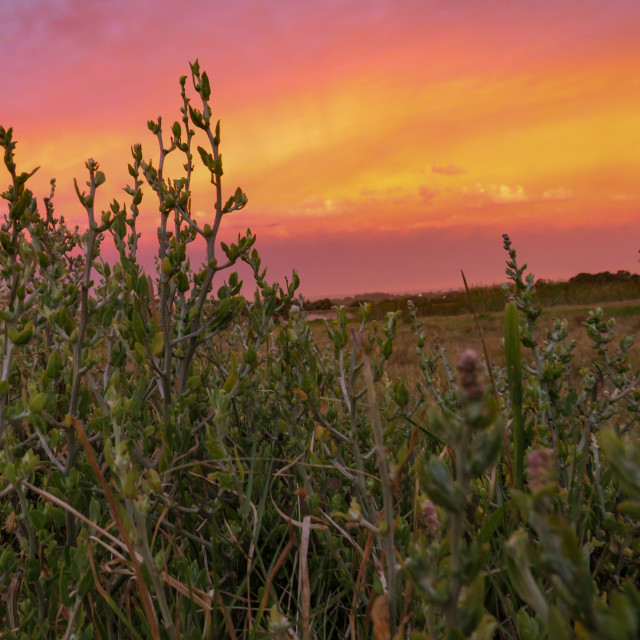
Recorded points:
(361, 123)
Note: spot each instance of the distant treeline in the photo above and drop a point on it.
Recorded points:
(584, 288)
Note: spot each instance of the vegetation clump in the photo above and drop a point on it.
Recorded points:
(174, 464)
(582, 289)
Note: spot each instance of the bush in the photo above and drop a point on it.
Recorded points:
(174, 464)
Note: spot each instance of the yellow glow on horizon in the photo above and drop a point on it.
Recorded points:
(358, 149)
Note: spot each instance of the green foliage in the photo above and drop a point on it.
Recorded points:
(179, 458)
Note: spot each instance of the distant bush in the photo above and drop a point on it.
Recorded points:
(174, 464)
(582, 289)
(324, 304)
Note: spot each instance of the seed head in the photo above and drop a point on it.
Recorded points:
(539, 468)
(430, 518)
(468, 368)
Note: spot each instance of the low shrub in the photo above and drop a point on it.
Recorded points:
(176, 464)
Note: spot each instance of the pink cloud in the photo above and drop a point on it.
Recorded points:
(426, 193)
(431, 258)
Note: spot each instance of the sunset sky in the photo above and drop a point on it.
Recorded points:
(383, 145)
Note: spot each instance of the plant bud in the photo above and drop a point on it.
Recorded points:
(21, 337)
(37, 402)
(157, 344)
(355, 513)
(167, 267)
(294, 313)
(251, 357)
(54, 365)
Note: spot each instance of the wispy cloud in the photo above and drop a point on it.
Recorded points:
(558, 193)
(448, 170)
(506, 193)
(499, 193)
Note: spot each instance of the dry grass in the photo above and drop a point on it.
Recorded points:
(457, 333)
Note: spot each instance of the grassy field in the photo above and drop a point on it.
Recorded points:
(459, 332)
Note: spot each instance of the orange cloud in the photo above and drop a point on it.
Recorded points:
(334, 116)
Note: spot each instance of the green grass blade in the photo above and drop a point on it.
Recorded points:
(514, 376)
